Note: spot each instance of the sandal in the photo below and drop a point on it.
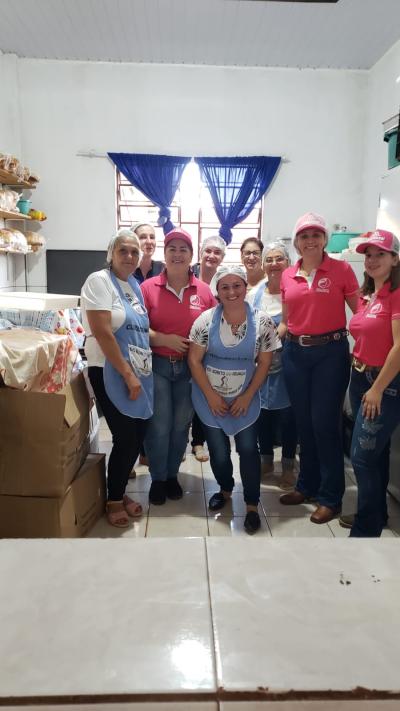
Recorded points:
(116, 517)
(200, 453)
(132, 508)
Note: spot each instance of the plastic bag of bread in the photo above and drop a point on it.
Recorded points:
(35, 241)
(13, 240)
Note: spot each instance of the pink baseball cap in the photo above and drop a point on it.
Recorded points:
(310, 221)
(382, 239)
(177, 233)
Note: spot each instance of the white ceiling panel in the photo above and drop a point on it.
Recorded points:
(350, 34)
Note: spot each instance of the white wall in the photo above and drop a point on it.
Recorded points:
(383, 101)
(315, 118)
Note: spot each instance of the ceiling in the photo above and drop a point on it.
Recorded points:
(349, 34)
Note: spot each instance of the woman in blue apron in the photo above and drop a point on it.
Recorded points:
(119, 360)
(276, 421)
(230, 353)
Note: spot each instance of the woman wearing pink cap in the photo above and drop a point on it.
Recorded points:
(173, 299)
(375, 379)
(316, 363)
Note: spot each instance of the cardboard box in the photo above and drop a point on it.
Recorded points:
(44, 439)
(71, 516)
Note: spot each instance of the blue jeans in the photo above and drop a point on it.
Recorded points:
(168, 428)
(370, 453)
(316, 379)
(277, 426)
(249, 460)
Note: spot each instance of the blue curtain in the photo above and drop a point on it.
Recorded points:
(236, 185)
(155, 176)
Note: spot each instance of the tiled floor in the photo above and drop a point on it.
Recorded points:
(190, 516)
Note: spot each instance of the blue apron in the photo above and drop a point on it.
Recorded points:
(133, 340)
(274, 395)
(229, 371)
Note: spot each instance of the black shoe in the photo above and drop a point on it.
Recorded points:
(252, 522)
(158, 493)
(217, 501)
(174, 489)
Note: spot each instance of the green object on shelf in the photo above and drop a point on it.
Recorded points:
(340, 240)
(391, 140)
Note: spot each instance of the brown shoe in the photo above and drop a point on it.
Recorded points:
(324, 514)
(293, 498)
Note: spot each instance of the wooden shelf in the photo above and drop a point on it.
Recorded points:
(7, 178)
(4, 250)
(7, 215)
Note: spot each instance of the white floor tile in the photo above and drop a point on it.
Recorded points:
(272, 506)
(281, 610)
(234, 507)
(296, 527)
(177, 527)
(103, 617)
(340, 532)
(233, 526)
(102, 529)
(192, 504)
(141, 483)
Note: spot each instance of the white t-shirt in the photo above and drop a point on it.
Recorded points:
(267, 338)
(270, 303)
(99, 294)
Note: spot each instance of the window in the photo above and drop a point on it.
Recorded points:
(192, 210)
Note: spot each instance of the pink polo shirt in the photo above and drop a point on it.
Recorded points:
(371, 325)
(169, 314)
(319, 307)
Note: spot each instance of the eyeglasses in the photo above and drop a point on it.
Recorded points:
(271, 260)
(254, 253)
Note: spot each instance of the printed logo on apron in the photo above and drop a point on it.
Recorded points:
(141, 360)
(228, 383)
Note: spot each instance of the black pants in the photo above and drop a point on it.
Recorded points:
(198, 436)
(127, 436)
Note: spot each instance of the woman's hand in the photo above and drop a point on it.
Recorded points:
(240, 405)
(371, 403)
(217, 404)
(133, 385)
(176, 343)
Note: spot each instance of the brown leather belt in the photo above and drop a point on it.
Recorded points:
(172, 358)
(360, 367)
(319, 339)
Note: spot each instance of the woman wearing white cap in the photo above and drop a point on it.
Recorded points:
(375, 379)
(119, 360)
(276, 413)
(231, 348)
(316, 363)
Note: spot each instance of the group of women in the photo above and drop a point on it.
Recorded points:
(259, 352)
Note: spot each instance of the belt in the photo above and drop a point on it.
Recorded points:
(360, 367)
(318, 339)
(172, 358)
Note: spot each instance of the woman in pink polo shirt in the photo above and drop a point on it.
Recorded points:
(316, 363)
(173, 299)
(375, 379)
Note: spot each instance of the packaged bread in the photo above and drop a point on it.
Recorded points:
(13, 240)
(35, 241)
(33, 178)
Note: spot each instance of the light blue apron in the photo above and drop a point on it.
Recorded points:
(133, 340)
(274, 395)
(229, 371)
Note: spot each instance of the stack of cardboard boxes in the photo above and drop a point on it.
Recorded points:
(49, 485)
